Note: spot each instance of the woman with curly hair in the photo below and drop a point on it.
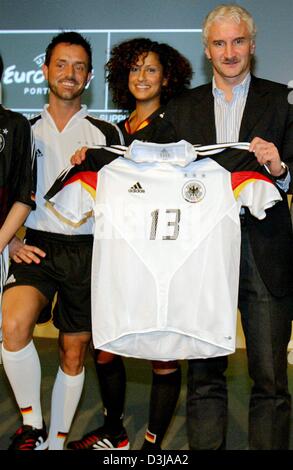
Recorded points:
(143, 75)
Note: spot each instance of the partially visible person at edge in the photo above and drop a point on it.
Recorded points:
(237, 106)
(56, 257)
(17, 183)
(143, 75)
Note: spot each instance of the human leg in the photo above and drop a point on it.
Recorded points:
(207, 403)
(166, 384)
(112, 380)
(21, 307)
(72, 316)
(267, 327)
(68, 386)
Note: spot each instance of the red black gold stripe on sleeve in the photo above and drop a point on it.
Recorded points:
(241, 178)
(87, 171)
(88, 179)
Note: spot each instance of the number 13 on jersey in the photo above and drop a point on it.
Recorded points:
(169, 220)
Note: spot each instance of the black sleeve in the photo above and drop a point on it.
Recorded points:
(114, 136)
(23, 169)
(111, 132)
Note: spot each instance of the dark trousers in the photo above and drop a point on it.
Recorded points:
(266, 322)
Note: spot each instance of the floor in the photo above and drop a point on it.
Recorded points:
(89, 414)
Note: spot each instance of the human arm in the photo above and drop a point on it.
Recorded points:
(22, 186)
(20, 252)
(14, 220)
(268, 154)
(275, 127)
(273, 132)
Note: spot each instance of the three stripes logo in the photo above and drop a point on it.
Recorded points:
(136, 188)
(39, 153)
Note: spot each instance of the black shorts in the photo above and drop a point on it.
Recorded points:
(66, 270)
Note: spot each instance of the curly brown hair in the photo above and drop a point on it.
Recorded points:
(176, 68)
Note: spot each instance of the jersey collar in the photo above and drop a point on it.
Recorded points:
(76, 117)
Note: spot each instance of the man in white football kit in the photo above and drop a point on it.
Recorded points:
(167, 244)
(56, 257)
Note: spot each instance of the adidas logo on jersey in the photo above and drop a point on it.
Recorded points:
(11, 279)
(136, 188)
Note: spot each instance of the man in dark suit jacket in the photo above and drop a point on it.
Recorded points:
(237, 106)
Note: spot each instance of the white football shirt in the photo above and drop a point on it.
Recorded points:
(166, 254)
(53, 151)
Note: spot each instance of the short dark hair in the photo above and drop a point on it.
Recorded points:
(176, 68)
(70, 37)
(1, 67)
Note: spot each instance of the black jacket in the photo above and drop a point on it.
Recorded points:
(268, 115)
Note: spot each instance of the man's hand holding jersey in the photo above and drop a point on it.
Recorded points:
(268, 154)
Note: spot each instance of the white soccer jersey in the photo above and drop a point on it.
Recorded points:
(53, 152)
(167, 246)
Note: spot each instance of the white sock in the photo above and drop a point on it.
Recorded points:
(24, 374)
(65, 398)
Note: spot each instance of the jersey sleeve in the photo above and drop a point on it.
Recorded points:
(111, 132)
(251, 183)
(23, 183)
(114, 136)
(255, 191)
(74, 192)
